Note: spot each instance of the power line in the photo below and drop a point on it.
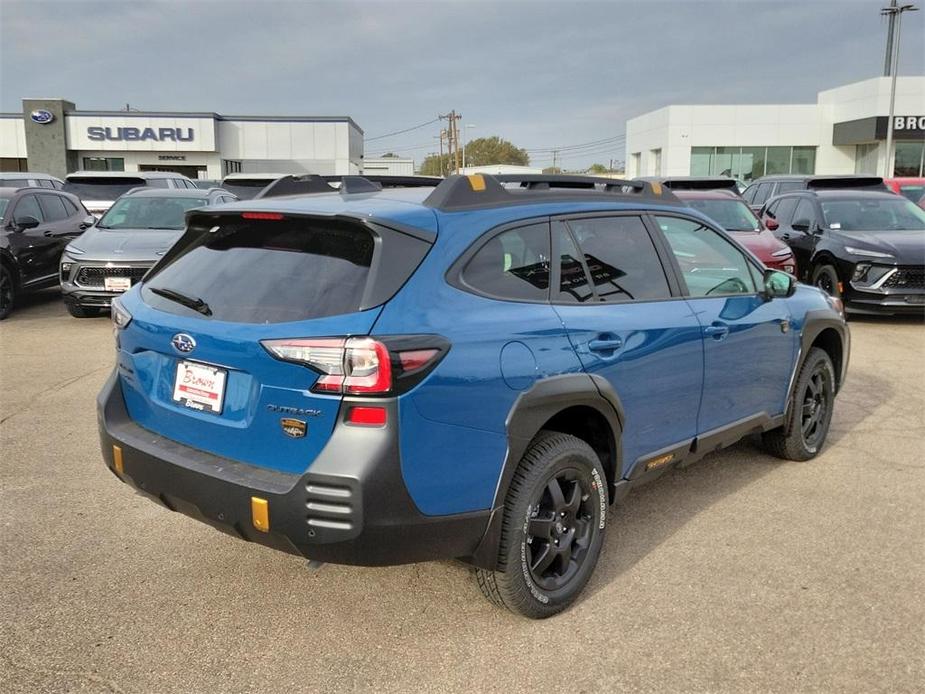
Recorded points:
(399, 132)
(583, 145)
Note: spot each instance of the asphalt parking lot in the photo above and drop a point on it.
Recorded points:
(743, 573)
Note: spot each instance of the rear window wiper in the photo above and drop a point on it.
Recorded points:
(192, 302)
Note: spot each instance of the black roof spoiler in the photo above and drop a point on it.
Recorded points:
(486, 190)
(693, 182)
(817, 182)
(309, 184)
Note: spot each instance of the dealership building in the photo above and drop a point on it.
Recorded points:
(844, 132)
(52, 136)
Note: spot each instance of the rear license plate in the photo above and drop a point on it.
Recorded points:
(199, 387)
(117, 284)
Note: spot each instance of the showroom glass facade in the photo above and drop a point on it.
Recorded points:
(749, 163)
(910, 159)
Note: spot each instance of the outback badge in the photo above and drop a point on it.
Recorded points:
(294, 428)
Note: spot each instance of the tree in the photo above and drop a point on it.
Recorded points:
(435, 165)
(552, 170)
(494, 150)
(597, 169)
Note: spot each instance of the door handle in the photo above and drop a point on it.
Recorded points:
(717, 331)
(605, 344)
(48, 234)
(785, 237)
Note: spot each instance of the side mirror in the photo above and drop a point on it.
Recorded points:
(801, 225)
(88, 222)
(778, 284)
(771, 224)
(25, 222)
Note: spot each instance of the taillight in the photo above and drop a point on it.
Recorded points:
(265, 216)
(362, 365)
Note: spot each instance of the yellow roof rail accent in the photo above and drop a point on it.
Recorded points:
(477, 181)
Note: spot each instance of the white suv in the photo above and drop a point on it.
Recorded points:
(99, 189)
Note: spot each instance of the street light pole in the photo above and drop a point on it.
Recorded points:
(893, 12)
(465, 127)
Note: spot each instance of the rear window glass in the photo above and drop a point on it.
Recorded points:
(101, 188)
(149, 212)
(269, 272)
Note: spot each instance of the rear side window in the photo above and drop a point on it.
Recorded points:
(54, 208)
(512, 265)
(789, 186)
(270, 272)
(620, 257)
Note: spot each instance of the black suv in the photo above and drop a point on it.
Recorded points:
(865, 247)
(35, 226)
(767, 187)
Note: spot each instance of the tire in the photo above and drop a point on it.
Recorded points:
(7, 291)
(826, 278)
(79, 311)
(534, 577)
(809, 415)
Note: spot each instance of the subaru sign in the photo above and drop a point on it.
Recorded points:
(101, 134)
(42, 116)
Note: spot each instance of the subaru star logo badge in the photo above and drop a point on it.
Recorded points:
(42, 116)
(183, 343)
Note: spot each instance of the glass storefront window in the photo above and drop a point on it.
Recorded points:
(803, 160)
(104, 164)
(778, 160)
(701, 161)
(866, 158)
(909, 159)
(749, 163)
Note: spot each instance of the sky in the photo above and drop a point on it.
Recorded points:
(540, 74)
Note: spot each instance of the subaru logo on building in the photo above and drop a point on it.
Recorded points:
(42, 116)
(183, 343)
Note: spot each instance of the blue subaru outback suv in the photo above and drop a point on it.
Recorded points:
(472, 370)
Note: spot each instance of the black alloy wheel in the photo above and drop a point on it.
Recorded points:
(816, 400)
(559, 530)
(7, 292)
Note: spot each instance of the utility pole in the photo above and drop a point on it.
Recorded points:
(442, 168)
(891, 25)
(452, 135)
(555, 154)
(894, 12)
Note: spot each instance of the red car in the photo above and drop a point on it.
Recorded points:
(908, 186)
(733, 214)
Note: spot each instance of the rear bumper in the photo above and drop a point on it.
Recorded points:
(352, 507)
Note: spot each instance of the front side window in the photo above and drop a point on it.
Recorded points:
(620, 257)
(805, 213)
(783, 213)
(28, 206)
(710, 265)
(512, 265)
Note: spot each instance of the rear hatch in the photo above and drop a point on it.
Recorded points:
(197, 363)
(97, 193)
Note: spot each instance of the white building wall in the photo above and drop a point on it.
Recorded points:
(12, 137)
(389, 166)
(676, 129)
(211, 161)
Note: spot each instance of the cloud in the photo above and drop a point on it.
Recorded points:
(540, 74)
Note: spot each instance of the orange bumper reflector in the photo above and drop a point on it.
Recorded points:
(260, 514)
(117, 459)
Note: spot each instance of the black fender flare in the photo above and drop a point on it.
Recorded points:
(7, 259)
(530, 411)
(814, 323)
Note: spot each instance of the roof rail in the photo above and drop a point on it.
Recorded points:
(403, 181)
(486, 190)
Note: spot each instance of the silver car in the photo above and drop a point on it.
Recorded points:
(115, 253)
